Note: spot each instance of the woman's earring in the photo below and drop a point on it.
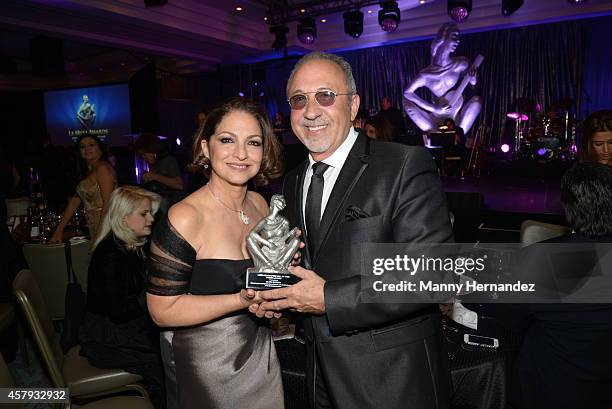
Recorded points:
(206, 160)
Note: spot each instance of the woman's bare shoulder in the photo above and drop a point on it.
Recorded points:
(259, 202)
(104, 168)
(186, 218)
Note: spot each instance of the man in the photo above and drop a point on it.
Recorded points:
(359, 355)
(565, 360)
(394, 116)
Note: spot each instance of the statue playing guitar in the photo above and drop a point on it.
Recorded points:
(440, 77)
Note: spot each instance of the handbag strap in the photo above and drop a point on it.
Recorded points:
(69, 269)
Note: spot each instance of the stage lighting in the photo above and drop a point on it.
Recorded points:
(510, 6)
(389, 15)
(353, 23)
(576, 1)
(280, 39)
(505, 148)
(307, 30)
(154, 3)
(459, 10)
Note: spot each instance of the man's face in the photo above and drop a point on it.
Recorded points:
(386, 104)
(322, 129)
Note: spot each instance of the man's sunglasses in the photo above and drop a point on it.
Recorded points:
(323, 98)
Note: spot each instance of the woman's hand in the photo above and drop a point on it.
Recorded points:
(57, 237)
(250, 298)
(297, 257)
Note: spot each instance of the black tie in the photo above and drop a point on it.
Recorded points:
(313, 205)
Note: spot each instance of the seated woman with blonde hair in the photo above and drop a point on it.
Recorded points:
(117, 331)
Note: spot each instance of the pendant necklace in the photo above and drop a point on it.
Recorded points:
(241, 214)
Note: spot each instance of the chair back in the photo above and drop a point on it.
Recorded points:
(48, 263)
(6, 381)
(35, 311)
(533, 231)
(17, 207)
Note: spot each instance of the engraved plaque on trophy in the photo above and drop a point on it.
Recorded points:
(272, 246)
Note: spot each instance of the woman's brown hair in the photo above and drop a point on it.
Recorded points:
(271, 163)
(600, 121)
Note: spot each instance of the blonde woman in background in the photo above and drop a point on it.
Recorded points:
(118, 332)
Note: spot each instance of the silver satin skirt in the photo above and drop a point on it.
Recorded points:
(230, 363)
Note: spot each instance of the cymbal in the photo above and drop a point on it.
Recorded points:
(516, 116)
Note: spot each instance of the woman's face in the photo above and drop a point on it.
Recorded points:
(370, 131)
(90, 150)
(141, 219)
(602, 147)
(235, 149)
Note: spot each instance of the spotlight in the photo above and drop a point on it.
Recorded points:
(510, 6)
(505, 148)
(389, 16)
(459, 10)
(280, 39)
(307, 30)
(576, 1)
(353, 23)
(153, 3)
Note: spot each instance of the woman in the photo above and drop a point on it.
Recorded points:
(379, 127)
(198, 264)
(596, 142)
(93, 190)
(117, 331)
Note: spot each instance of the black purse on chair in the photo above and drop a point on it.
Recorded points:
(74, 307)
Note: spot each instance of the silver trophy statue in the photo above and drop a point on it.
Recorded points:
(441, 77)
(272, 246)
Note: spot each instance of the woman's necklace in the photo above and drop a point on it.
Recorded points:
(241, 214)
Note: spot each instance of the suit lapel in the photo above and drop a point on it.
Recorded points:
(298, 203)
(355, 164)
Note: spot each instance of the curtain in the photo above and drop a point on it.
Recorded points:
(543, 62)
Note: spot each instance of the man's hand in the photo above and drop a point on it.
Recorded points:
(148, 176)
(306, 296)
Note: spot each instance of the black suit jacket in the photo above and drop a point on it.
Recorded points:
(375, 355)
(565, 360)
(116, 282)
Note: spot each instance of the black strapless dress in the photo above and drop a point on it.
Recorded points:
(226, 363)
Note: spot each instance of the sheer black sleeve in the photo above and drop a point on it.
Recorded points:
(171, 262)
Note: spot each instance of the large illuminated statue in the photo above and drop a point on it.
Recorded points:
(86, 115)
(440, 77)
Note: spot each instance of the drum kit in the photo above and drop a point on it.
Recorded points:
(544, 136)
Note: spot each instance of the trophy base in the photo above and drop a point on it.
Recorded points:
(267, 280)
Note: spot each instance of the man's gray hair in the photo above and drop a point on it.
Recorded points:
(336, 59)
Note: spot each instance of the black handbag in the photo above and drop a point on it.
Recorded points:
(74, 307)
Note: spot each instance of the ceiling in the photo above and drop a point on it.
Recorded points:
(107, 40)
